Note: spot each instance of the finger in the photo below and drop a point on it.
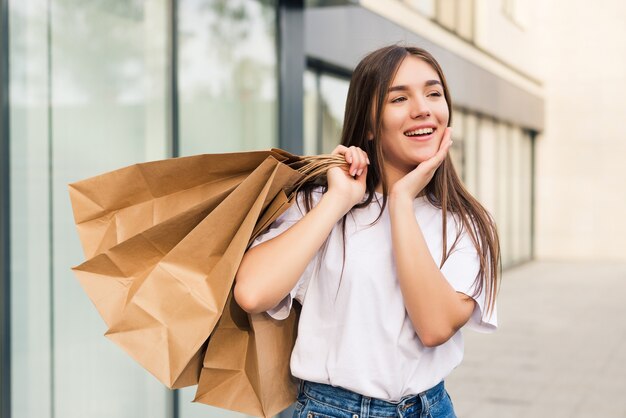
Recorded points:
(361, 175)
(444, 147)
(365, 162)
(356, 160)
(339, 150)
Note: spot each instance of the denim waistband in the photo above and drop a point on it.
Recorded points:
(353, 402)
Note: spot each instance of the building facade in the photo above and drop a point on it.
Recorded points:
(91, 86)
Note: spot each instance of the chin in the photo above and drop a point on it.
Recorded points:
(424, 156)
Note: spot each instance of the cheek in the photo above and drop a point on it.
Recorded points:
(392, 119)
(443, 114)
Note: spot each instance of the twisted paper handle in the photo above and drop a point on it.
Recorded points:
(313, 167)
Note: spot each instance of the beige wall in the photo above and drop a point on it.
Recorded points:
(575, 50)
(581, 156)
(507, 36)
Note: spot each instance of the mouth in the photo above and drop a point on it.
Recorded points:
(420, 134)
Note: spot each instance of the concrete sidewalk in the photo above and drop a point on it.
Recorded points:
(560, 350)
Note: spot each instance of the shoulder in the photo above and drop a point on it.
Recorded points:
(302, 203)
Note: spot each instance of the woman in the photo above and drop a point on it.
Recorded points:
(389, 259)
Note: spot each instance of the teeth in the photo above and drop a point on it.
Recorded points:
(424, 131)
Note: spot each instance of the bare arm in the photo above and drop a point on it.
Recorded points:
(436, 310)
(269, 271)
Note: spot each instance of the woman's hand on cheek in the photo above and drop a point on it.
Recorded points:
(347, 183)
(415, 181)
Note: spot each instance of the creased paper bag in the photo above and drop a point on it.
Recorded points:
(246, 366)
(164, 240)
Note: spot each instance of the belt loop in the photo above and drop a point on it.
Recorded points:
(301, 386)
(425, 405)
(365, 407)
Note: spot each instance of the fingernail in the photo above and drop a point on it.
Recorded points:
(358, 173)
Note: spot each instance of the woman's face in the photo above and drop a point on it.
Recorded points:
(415, 116)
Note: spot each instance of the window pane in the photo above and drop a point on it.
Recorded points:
(425, 7)
(470, 174)
(108, 77)
(504, 191)
(227, 75)
(465, 19)
(333, 94)
(311, 103)
(458, 136)
(487, 172)
(446, 13)
(516, 189)
(526, 194)
(30, 207)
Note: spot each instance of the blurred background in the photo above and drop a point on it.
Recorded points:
(539, 93)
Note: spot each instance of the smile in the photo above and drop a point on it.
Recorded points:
(420, 132)
(423, 134)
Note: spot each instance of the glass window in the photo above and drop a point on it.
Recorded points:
(487, 171)
(105, 109)
(470, 173)
(457, 152)
(503, 191)
(425, 7)
(516, 230)
(526, 194)
(311, 104)
(30, 212)
(333, 95)
(227, 75)
(324, 105)
(465, 19)
(227, 83)
(446, 13)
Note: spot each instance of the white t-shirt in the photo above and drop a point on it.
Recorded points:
(357, 334)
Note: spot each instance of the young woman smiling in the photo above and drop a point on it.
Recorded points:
(389, 258)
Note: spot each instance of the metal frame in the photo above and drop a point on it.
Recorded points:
(5, 224)
(291, 66)
(173, 134)
(174, 145)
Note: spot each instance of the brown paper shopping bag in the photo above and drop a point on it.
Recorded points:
(115, 206)
(246, 366)
(162, 290)
(164, 240)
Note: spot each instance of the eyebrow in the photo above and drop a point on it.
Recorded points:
(404, 88)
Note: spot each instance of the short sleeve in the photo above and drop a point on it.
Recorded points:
(280, 225)
(460, 269)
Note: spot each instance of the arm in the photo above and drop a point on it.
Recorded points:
(269, 271)
(436, 310)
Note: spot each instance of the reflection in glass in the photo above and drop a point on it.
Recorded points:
(30, 206)
(457, 152)
(333, 93)
(311, 104)
(108, 87)
(227, 75)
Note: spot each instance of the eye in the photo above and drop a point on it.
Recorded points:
(435, 94)
(398, 99)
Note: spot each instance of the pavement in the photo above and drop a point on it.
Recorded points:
(560, 350)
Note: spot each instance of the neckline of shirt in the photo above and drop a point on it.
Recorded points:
(418, 201)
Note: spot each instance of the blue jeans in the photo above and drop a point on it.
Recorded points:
(316, 400)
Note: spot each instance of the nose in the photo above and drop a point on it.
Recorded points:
(419, 109)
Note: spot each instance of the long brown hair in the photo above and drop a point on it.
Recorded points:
(367, 95)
